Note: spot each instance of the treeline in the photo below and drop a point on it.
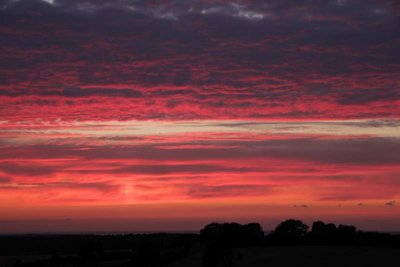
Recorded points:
(223, 239)
(321, 233)
(295, 232)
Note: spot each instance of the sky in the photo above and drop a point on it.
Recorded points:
(133, 115)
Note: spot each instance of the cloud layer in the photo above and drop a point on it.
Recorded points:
(184, 104)
(137, 162)
(199, 59)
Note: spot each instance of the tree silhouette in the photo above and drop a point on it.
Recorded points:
(211, 231)
(291, 228)
(347, 230)
(318, 228)
(253, 233)
(322, 230)
(347, 234)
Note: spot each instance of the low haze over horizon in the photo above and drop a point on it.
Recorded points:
(162, 115)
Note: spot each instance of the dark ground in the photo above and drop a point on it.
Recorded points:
(292, 243)
(180, 250)
(307, 256)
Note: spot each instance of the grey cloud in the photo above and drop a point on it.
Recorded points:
(301, 206)
(243, 8)
(390, 203)
(153, 169)
(368, 95)
(203, 191)
(217, 49)
(97, 186)
(78, 92)
(5, 180)
(365, 151)
(28, 169)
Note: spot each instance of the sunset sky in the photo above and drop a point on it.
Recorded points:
(169, 114)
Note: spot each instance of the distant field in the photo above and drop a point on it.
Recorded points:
(308, 256)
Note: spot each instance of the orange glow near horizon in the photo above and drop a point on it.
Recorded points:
(201, 170)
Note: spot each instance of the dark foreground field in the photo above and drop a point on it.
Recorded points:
(307, 256)
(217, 245)
(96, 250)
